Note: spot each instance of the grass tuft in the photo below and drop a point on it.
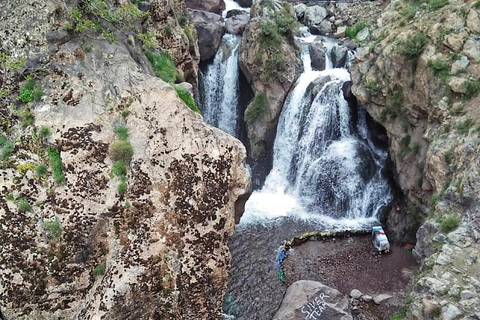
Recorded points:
(121, 151)
(187, 98)
(257, 107)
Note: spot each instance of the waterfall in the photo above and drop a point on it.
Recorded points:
(221, 87)
(325, 168)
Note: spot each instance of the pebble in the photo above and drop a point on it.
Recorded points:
(355, 294)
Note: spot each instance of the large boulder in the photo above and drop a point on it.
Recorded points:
(210, 30)
(313, 300)
(317, 55)
(314, 15)
(236, 21)
(339, 56)
(215, 6)
(86, 248)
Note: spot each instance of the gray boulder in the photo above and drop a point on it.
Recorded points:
(324, 28)
(381, 298)
(312, 300)
(363, 35)
(339, 56)
(315, 15)
(317, 55)
(355, 294)
(300, 11)
(236, 21)
(210, 29)
(215, 6)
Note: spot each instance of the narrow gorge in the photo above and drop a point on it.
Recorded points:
(227, 159)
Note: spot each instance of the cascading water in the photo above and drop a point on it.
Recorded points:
(221, 87)
(325, 169)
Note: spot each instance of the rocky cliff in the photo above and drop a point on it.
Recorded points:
(116, 199)
(419, 78)
(270, 63)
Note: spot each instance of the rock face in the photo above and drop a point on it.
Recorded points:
(273, 71)
(215, 6)
(313, 300)
(81, 248)
(236, 21)
(179, 41)
(430, 119)
(210, 29)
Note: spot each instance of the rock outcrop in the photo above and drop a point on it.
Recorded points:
(74, 243)
(210, 30)
(236, 21)
(215, 6)
(172, 31)
(403, 77)
(270, 64)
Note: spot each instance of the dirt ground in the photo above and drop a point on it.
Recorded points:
(352, 263)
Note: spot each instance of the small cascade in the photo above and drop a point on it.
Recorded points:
(325, 167)
(221, 87)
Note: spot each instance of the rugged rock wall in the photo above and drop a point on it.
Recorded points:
(418, 77)
(269, 61)
(174, 33)
(73, 244)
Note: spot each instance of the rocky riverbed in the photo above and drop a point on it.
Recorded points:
(352, 263)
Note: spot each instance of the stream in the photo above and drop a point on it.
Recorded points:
(328, 173)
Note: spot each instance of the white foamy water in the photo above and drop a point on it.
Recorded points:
(221, 87)
(232, 5)
(323, 170)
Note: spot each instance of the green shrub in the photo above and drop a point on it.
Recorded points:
(44, 132)
(269, 35)
(436, 4)
(472, 87)
(465, 126)
(449, 223)
(23, 205)
(119, 169)
(168, 30)
(439, 68)
(163, 66)
(448, 156)
(405, 145)
(183, 20)
(30, 91)
(149, 40)
(351, 32)
(41, 170)
(410, 10)
(187, 98)
(257, 107)
(414, 44)
(56, 164)
(122, 188)
(396, 96)
(476, 5)
(374, 87)
(121, 151)
(7, 149)
(121, 132)
(99, 270)
(53, 228)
